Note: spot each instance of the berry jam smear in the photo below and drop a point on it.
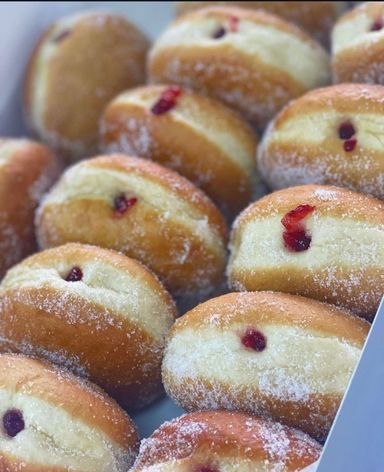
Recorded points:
(122, 204)
(13, 422)
(219, 33)
(206, 469)
(74, 275)
(377, 25)
(254, 339)
(167, 100)
(349, 145)
(295, 236)
(233, 24)
(347, 132)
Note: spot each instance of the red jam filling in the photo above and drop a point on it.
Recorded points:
(233, 24)
(377, 25)
(74, 275)
(167, 100)
(295, 237)
(346, 130)
(350, 145)
(62, 35)
(122, 204)
(254, 339)
(13, 422)
(219, 33)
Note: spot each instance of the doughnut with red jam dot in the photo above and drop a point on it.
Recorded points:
(13, 422)
(167, 100)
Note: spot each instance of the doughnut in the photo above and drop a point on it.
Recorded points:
(53, 421)
(358, 45)
(143, 210)
(322, 242)
(198, 137)
(225, 441)
(317, 18)
(328, 136)
(27, 169)
(93, 311)
(271, 354)
(80, 63)
(252, 61)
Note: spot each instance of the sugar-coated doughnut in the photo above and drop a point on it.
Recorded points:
(358, 45)
(225, 441)
(94, 311)
(318, 241)
(27, 170)
(317, 18)
(253, 61)
(328, 136)
(79, 65)
(143, 210)
(266, 353)
(194, 135)
(52, 421)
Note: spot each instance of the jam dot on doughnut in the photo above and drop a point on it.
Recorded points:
(377, 25)
(297, 241)
(350, 145)
(62, 35)
(13, 422)
(167, 100)
(253, 339)
(346, 130)
(292, 220)
(295, 237)
(219, 33)
(74, 275)
(233, 24)
(122, 204)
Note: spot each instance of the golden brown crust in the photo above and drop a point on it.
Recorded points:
(178, 144)
(60, 388)
(24, 176)
(69, 121)
(225, 434)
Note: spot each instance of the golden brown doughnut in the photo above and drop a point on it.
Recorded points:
(328, 136)
(94, 311)
(225, 441)
(330, 247)
(52, 421)
(252, 61)
(194, 135)
(266, 353)
(27, 170)
(80, 63)
(143, 210)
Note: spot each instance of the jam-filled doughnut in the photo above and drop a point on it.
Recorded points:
(143, 210)
(318, 241)
(194, 135)
(27, 170)
(358, 45)
(53, 421)
(94, 311)
(79, 65)
(225, 441)
(266, 353)
(328, 136)
(317, 18)
(253, 61)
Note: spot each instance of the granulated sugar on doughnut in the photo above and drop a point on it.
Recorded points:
(52, 421)
(358, 45)
(27, 170)
(225, 441)
(252, 61)
(80, 63)
(144, 210)
(267, 353)
(328, 136)
(94, 311)
(322, 242)
(198, 137)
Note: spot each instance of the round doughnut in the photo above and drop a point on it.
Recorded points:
(317, 18)
(80, 63)
(266, 353)
(328, 136)
(53, 421)
(93, 311)
(252, 61)
(322, 242)
(225, 441)
(27, 170)
(358, 45)
(143, 210)
(198, 137)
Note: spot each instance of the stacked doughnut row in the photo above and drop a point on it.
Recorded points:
(169, 145)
